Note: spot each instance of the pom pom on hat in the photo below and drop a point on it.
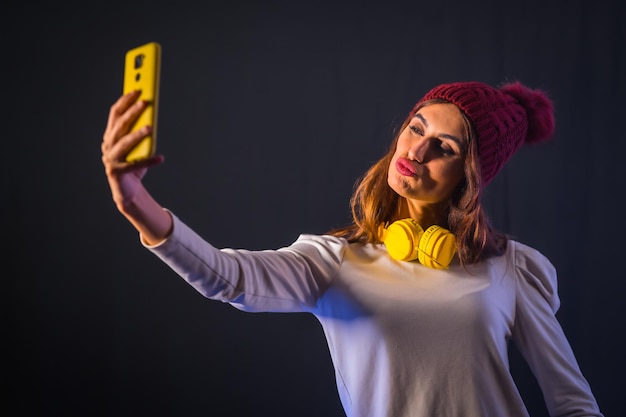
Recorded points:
(503, 118)
(538, 111)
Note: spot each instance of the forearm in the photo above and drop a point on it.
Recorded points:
(289, 279)
(147, 216)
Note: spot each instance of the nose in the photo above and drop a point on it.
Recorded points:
(419, 151)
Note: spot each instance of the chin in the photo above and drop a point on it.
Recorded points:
(403, 186)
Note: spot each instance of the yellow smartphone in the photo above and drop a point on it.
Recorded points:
(142, 71)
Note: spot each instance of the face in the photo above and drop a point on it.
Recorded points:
(428, 162)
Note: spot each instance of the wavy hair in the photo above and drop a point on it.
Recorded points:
(374, 202)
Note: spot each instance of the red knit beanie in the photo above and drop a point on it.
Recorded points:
(503, 118)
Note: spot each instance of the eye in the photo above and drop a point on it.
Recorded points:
(446, 149)
(417, 130)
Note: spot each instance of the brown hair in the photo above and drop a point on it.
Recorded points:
(374, 202)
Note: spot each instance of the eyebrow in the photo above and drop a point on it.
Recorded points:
(443, 135)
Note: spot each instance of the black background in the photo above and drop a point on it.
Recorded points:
(269, 113)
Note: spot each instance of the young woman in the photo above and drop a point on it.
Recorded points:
(419, 296)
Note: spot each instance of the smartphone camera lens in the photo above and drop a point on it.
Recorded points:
(139, 61)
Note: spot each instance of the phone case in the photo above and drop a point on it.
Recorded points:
(142, 72)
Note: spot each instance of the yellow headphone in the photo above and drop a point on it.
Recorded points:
(406, 240)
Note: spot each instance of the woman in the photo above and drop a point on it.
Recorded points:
(419, 297)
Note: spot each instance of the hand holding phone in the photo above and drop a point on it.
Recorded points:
(142, 72)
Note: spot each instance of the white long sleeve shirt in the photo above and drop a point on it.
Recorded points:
(405, 339)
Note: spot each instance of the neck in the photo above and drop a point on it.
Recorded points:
(426, 214)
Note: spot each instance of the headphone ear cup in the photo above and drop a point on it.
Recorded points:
(402, 239)
(437, 247)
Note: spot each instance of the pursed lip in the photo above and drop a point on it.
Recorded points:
(406, 167)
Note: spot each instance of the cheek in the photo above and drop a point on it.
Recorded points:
(392, 162)
(455, 170)
(403, 142)
(457, 173)
(451, 174)
(391, 172)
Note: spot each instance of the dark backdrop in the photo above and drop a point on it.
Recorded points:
(269, 114)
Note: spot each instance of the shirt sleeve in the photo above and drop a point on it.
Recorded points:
(541, 340)
(289, 279)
